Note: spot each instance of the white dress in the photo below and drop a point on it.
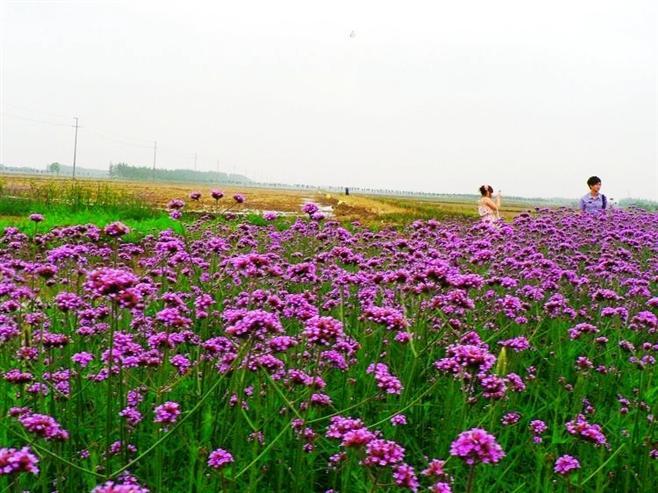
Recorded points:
(486, 213)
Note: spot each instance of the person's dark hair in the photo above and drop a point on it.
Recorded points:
(593, 180)
(486, 188)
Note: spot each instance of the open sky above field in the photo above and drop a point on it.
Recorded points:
(532, 97)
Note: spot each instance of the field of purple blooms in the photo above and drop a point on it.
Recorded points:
(320, 357)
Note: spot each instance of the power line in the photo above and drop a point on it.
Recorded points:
(75, 145)
(33, 110)
(155, 150)
(137, 143)
(45, 122)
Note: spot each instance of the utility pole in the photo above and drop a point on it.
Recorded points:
(155, 152)
(75, 144)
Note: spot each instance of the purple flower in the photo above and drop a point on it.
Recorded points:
(195, 196)
(391, 318)
(66, 301)
(323, 330)
(310, 208)
(383, 453)
(167, 413)
(399, 420)
(440, 487)
(14, 461)
(518, 344)
(239, 198)
(255, 322)
(219, 458)
(566, 464)
(17, 376)
(510, 419)
(110, 282)
(405, 477)
(537, 427)
(173, 318)
(216, 194)
(435, 469)
(321, 399)
(82, 358)
(116, 229)
(37, 218)
(477, 446)
(181, 363)
(339, 425)
(494, 387)
(465, 357)
(357, 437)
(385, 381)
(43, 425)
(175, 204)
(118, 487)
(131, 415)
(579, 426)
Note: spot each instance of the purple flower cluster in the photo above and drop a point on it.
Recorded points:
(477, 446)
(167, 413)
(383, 453)
(580, 427)
(282, 325)
(42, 425)
(219, 458)
(310, 208)
(566, 464)
(14, 461)
(385, 380)
(323, 330)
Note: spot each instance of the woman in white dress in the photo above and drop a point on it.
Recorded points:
(487, 208)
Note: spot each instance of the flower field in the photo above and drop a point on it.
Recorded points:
(320, 356)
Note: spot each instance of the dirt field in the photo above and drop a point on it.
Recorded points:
(377, 209)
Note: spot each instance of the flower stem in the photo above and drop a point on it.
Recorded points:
(471, 477)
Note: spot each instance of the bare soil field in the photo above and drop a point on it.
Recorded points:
(365, 208)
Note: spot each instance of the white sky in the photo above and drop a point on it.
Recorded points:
(530, 96)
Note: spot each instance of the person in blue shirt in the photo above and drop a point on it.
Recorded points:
(594, 202)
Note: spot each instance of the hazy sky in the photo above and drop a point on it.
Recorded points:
(530, 96)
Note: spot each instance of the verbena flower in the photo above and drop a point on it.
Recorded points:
(219, 458)
(566, 464)
(14, 461)
(477, 446)
(167, 413)
(381, 453)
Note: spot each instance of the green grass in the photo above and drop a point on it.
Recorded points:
(68, 211)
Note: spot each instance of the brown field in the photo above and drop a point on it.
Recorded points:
(366, 208)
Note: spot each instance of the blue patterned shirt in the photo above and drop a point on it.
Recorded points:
(591, 204)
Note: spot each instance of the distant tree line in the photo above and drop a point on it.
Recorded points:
(128, 172)
(647, 205)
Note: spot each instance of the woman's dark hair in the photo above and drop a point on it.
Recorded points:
(593, 180)
(486, 188)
